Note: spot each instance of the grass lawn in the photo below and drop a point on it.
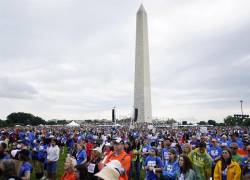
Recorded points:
(60, 166)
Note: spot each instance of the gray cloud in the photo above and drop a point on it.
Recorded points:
(79, 56)
(13, 88)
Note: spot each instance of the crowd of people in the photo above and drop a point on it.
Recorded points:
(125, 153)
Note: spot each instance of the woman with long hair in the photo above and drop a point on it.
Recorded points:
(186, 169)
(81, 156)
(171, 166)
(225, 168)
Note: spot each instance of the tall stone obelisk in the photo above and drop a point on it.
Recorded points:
(142, 87)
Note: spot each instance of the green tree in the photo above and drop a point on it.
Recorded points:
(171, 121)
(230, 121)
(62, 122)
(23, 119)
(211, 122)
(2, 123)
(246, 122)
(51, 123)
(184, 122)
(202, 123)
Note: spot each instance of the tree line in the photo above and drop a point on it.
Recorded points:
(228, 121)
(24, 119)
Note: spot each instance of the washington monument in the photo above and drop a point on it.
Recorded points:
(142, 87)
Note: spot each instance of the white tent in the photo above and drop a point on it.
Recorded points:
(73, 124)
(116, 125)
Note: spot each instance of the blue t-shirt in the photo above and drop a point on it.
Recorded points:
(164, 154)
(71, 143)
(42, 152)
(26, 167)
(63, 139)
(152, 162)
(31, 136)
(170, 170)
(224, 143)
(215, 152)
(81, 156)
(239, 142)
(21, 135)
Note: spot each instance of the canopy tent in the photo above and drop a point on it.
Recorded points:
(73, 124)
(117, 125)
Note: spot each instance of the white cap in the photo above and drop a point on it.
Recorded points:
(116, 165)
(51, 136)
(118, 140)
(98, 149)
(108, 173)
(107, 144)
(14, 152)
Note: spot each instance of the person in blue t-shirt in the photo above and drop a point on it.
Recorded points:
(223, 141)
(215, 151)
(81, 155)
(166, 147)
(171, 166)
(152, 165)
(26, 168)
(41, 156)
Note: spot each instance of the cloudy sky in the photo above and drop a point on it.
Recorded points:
(74, 59)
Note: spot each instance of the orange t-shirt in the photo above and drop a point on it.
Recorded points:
(125, 161)
(69, 176)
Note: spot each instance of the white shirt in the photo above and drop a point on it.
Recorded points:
(53, 153)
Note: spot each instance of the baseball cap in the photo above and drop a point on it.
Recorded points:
(98, 149)
(108, 173)
(116, 165)
(118, 141)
